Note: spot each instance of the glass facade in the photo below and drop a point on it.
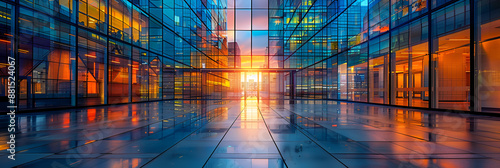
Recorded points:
(416, 53)
(95, 52)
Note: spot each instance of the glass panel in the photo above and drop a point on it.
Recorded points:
(243, 19)
(140, 26)
(120, 20)
(46, 51)
(168, 78)
(259, 19)
(357, 73)
(451, 57)
(140, 76)
(379, 70)
(119, 72)
(7, 26)
(154, 77)
(93, 14)
(404, 10)
(260, 3)
(62, 9)
(243, 3)
(91, 68)
(342, 76)
(487, 59)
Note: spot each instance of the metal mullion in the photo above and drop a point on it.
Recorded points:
(474, 101)
(431, 58)
(74, 98)
(16, 53)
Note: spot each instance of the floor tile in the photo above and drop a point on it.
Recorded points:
(253, 134)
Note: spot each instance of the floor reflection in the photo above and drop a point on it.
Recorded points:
(252, 133)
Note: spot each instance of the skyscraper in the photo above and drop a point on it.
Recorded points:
(234, 50)
(250, 83)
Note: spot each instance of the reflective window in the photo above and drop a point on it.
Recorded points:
(357, 73)
(93, 14)
(119, 72)
(62, 9)
(154, 76)
(487, 59)
(451, 56)
(140, 75)
(7, 22)
(404, 10)
(413, 53)
(46, 51)
(91, 68)
(120, 20)
(379, 70)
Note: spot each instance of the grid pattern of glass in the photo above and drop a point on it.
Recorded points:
(415, 53)
(418, 53)
(94, 52)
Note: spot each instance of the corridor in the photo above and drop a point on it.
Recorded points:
(253, 133)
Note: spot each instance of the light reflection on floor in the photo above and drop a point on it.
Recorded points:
(252, 133)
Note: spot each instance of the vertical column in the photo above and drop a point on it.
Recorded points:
(292, 87)
(391, 68)
(410, 78)
(74, 82)
(430, 51)
(475, 59)
(106, 57)
(74, 61)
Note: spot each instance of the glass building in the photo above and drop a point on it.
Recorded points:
(250, 83)
(95, 52)
(416, 53)
(436, 54)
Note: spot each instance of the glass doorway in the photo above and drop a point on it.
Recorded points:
(257, 85)
(251, 84)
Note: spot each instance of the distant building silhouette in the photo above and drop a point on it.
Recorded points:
(234, 50)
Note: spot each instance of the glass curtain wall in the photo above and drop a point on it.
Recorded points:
(94, 52)
(486, 35)
(451, 56)
(255, 34)
(415, 53)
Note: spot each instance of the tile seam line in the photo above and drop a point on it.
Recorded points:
(62, 152)
(366, 146)
(52, 154)
(298, 128)
(400, 132)
(224, 136)
(102, 154)
(173, 146)
(269, 131)
(388, 130)
(363, 145)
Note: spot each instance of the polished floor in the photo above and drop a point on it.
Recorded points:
(252, 133)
